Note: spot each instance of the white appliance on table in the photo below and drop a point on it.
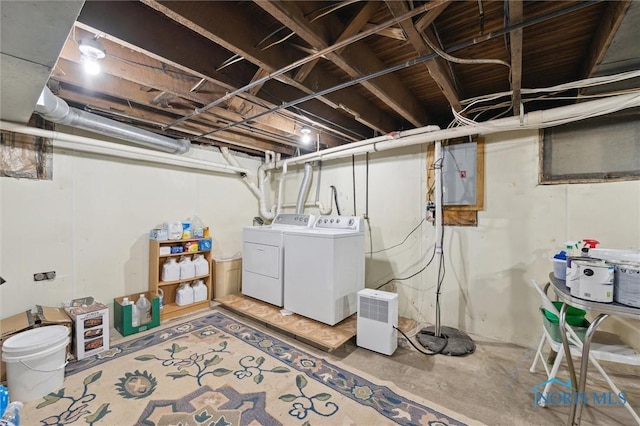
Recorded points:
(324, 269)
(263, 256)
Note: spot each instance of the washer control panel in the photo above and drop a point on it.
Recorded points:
(339, 222)
(292, 219)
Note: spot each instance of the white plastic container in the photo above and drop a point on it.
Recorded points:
(187, 268)
(35, 361)
(144, 309)
(559, 268)
(594, 282)
(201, 265)
(200, 291)
(170, 270)
(184, 295)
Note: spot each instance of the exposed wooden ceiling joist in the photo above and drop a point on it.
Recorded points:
(437, 68)
(204, 21)
(515, 41)
(387, 87)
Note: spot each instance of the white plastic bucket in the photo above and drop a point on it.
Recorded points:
(35, 361)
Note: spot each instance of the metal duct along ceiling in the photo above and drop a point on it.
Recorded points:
(55, 109)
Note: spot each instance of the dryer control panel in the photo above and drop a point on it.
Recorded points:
(292, 219)
(353, 223)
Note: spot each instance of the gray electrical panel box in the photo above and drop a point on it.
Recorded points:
(459, 174)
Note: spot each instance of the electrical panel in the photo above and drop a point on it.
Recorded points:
(459, 174)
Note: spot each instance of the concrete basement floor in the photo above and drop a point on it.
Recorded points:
(493, 385)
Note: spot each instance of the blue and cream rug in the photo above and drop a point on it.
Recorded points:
(215, 370)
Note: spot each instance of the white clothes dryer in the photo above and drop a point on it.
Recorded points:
(263, 256)
(324, 269)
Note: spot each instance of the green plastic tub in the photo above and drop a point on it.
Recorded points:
(551, 324)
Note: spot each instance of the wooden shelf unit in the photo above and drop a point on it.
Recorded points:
(156, 260)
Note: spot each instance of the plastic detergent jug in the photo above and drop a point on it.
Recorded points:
(174, 230)
(187, 268)
(201, 265)
(144, 309)
(170, 270)
(184, 295)
(199, 291)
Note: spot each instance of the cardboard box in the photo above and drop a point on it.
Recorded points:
(122, 314)
(10, 326)
(91, 327)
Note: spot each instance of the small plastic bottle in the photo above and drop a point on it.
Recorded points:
(11, 416)
(135, 315)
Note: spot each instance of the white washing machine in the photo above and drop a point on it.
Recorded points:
(324, 269)
(263, 256)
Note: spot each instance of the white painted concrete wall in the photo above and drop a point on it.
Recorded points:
(90, 224)
(485, 290)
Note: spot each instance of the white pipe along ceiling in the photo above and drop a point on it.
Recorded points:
(84, 144)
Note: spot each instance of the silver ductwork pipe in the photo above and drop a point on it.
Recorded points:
(54, 109)
(304, 187)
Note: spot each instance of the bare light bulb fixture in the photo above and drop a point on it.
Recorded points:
(90, 51)
(306, 135)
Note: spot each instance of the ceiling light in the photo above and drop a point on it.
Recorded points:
(306, 135)
(90, 51)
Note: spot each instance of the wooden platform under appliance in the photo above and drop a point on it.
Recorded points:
(315, 333)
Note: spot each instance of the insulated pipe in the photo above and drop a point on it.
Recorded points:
(54, 109)
(304, 187)
(85, 144)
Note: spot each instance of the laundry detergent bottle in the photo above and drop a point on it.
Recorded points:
(201, 265)
(170, 270)
(200, 291)
(184, 295)
(187, 268)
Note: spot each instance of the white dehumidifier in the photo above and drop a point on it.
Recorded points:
(377, 317)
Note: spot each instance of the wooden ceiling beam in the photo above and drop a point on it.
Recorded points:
(427, 19)
(437, 68)
(132, 21)
(152, 120)
(123, 63)
(356, 24)
(203, 19)
(609, 24)
(515, 42)
(131, 92)
(356, 60)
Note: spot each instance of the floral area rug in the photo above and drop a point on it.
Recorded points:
(215, 370)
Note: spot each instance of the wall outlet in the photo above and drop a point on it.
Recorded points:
(41, 276)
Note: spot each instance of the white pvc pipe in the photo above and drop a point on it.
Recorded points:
(258, 190)
(85, 144)
(532, 120)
